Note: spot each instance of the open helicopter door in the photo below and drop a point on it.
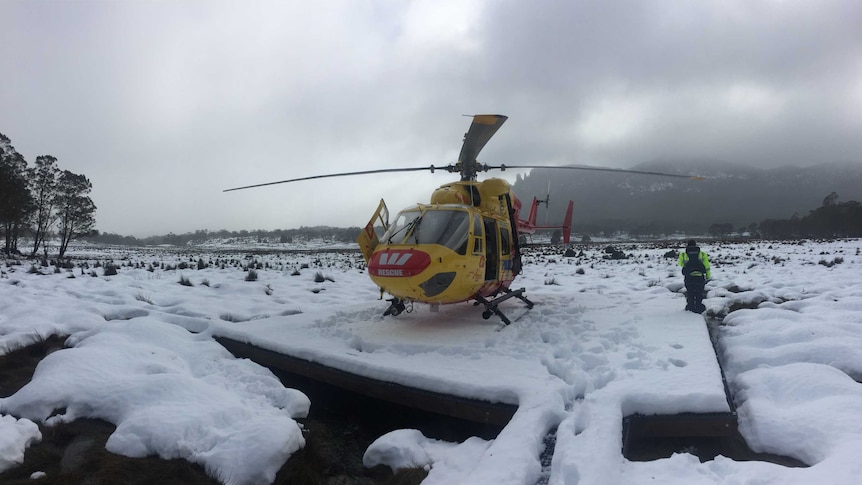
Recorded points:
(368, 239)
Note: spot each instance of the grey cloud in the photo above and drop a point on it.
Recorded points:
(163, 104)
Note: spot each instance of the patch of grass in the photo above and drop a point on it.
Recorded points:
(829, 264)
(17, 366)
(320, 278)
(251, 276)
(185, 281)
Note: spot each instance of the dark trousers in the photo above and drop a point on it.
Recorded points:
(694, 290)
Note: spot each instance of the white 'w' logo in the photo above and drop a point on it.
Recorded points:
(394, 259)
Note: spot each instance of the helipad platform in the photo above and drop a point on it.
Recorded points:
(650, 359)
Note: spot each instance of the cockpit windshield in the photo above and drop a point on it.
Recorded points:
(399, 229)
(446, 227)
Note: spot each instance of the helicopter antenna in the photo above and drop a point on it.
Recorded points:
(547, 202)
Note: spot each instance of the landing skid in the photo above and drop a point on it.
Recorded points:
(491, 305)
(397, 305)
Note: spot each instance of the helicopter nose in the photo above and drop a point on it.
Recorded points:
(398, 263)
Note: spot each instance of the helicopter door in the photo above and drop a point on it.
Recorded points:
(368, 238)
(492, 252)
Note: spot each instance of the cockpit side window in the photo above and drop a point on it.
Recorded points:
(505, 243)
(477, 233)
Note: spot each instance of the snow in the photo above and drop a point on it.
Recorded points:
(15, 436)
(606, 339)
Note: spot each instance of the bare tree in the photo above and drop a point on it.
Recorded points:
(43, 186)
(75, 210)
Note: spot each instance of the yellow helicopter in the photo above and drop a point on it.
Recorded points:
(463, 245)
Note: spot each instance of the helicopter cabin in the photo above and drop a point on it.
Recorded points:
(450, 250)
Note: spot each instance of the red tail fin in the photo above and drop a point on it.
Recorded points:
(531, 219)
(567, 223)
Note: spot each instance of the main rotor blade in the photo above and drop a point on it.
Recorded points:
(481, 130)
(597, 169)
(343, 174)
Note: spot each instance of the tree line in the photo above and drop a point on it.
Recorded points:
(830, 220)
(34, 200)
(283, 236)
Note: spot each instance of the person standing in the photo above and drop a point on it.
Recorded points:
(695, 269)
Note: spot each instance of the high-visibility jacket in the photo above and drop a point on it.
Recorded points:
(704, 259)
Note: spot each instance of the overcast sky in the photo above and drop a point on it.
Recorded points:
(163, 104)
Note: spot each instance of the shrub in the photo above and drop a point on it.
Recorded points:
(201, 264)
(251, 276)
(185, 281)
(110, 270)
(319, 278)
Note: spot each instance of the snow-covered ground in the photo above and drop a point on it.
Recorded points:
(607, 338)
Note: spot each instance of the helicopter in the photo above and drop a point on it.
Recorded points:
(529, 226)
(461, 246)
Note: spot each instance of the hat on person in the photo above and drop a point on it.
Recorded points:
(691, 243)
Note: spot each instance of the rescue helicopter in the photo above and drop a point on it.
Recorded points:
(463, 245)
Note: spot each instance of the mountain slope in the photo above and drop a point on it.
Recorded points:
(732, 193)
